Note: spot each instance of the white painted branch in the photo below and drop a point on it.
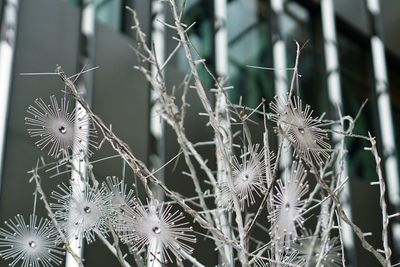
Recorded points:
(385, 114)
(79, 168)
(280, 74)
(221, 67)
(157, 125)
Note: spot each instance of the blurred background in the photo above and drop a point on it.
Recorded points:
(351, 53)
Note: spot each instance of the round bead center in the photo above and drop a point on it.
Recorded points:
(62, 129)
(32, 244)
(87, 209)
(245, 177)
(156, 230)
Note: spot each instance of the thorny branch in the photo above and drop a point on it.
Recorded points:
(159, 85)
(216, 221)
(172, 116)
(36, 178)
(346, 219)
(214, 124)
(382, 190)
(135, 164)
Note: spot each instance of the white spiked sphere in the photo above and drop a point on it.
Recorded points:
(157, 226)
(30, 244)
(303, 131)
(56, 126)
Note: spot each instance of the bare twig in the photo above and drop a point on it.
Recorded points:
(36, 178)
(138, 166)
(382, 190)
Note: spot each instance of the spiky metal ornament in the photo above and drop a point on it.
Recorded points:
(30, 244)
(303, 131)
(249, 178)
(288, 205)
(82, 211)
(158, 228)
(59, 128)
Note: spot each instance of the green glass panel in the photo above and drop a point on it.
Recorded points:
(109, 12)
(201, 36)
(356, 87)
(74, 2)
(249, 44)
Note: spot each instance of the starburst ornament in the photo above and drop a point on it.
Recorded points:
(288, 202)
(30, 245)
(60, 129)
(82, 211)
(159, 228)
(310, 248)
(281, 259)
(249, 178)
(121, 196)
(302, 130)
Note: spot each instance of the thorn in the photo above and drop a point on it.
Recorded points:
(394, 215)
(199, 61)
